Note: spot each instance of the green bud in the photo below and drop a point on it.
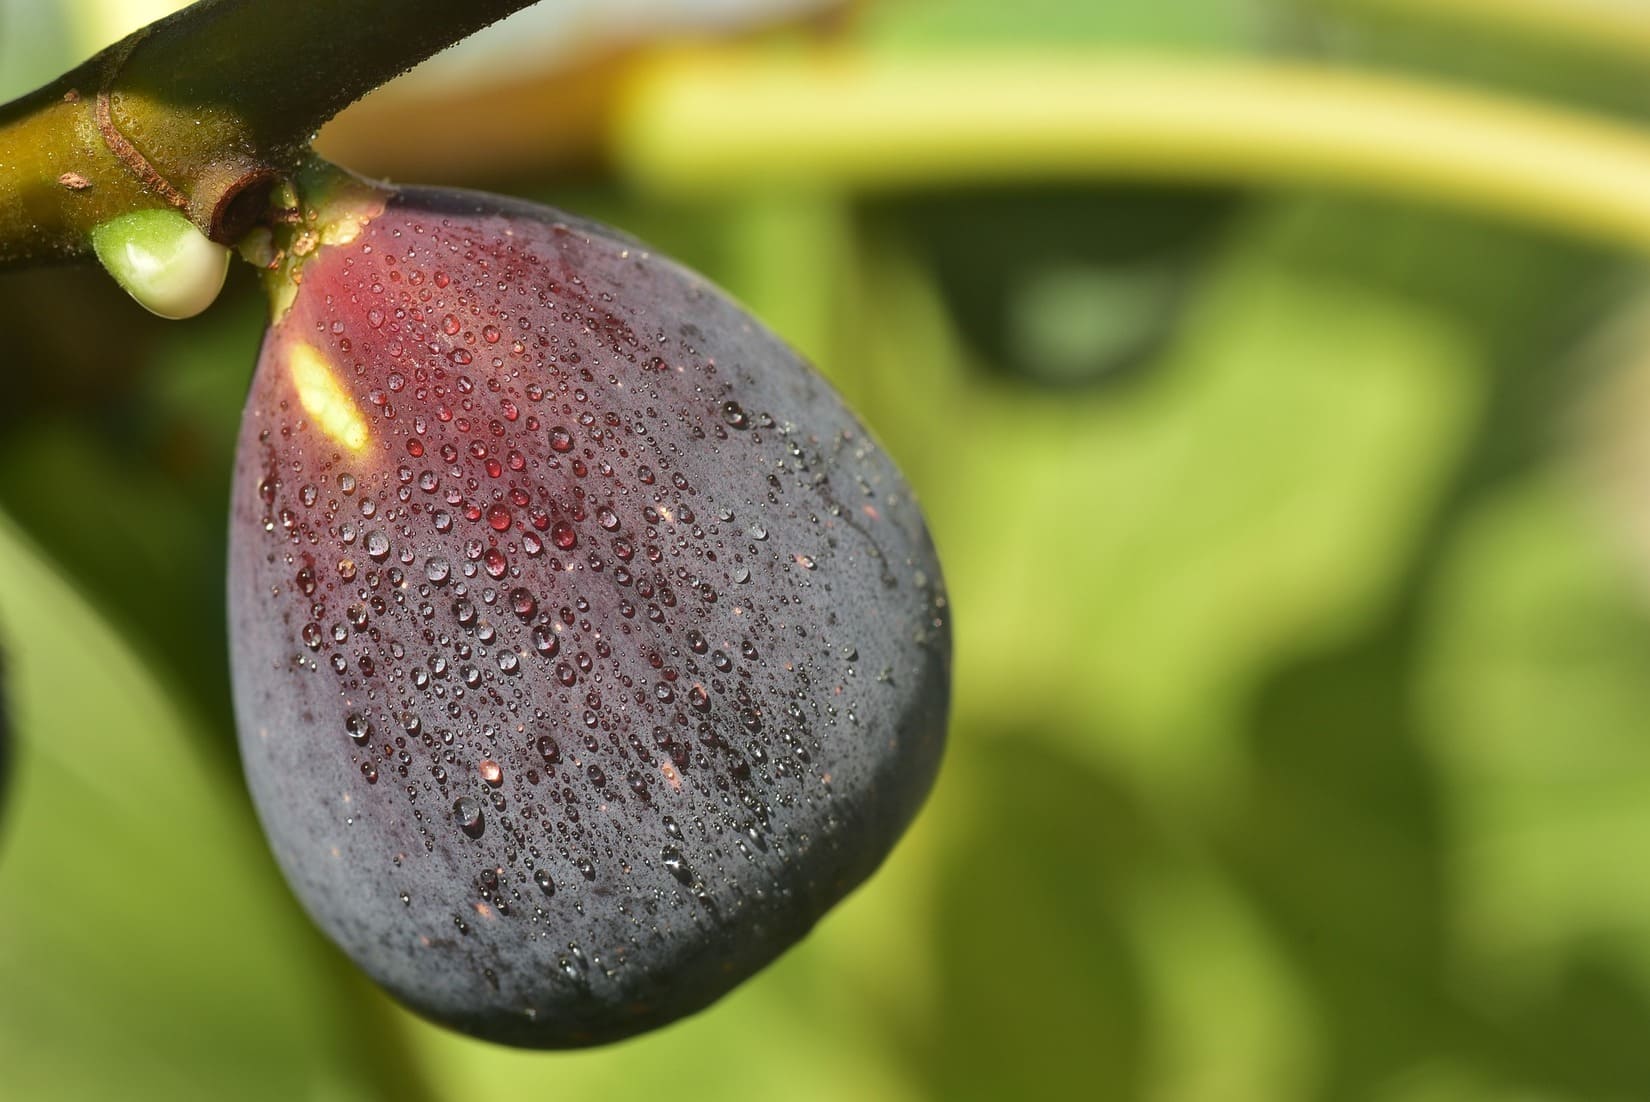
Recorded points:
(162, 261)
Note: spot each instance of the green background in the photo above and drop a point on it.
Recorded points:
(1301, 742)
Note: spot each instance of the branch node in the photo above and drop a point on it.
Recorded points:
(238, 195)
(124, 151)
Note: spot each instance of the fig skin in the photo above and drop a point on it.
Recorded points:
(586, 649)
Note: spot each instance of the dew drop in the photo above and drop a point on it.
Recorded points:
(467, 814)
(671, 858)
(522, 603)
(545, 642)
(359, 728)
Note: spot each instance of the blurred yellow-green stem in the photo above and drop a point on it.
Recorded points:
(711, 122)
(1619, 28)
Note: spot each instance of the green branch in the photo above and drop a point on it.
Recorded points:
(202, 112)
(712, 122)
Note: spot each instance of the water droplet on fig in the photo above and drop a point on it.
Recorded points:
(467, 814)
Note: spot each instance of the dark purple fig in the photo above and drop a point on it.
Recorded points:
(587, 650)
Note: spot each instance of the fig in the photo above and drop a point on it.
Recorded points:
(586, 648)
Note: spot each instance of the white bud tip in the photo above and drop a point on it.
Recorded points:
(162, 261)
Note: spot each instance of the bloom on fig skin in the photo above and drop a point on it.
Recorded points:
(586, 649)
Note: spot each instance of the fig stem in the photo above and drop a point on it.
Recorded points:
(318, 206)
(202, 112)
(708, 122)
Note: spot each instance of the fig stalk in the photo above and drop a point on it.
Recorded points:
(201, 113)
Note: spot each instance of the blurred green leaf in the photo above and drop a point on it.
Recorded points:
(1537, 693)
(1062, 285)
(147, 947)
(1142, 557)
(1039, 964)
(117, 464)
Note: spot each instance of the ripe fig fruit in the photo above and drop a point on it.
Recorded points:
(586, 648)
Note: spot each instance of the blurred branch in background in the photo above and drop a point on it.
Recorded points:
(1615, 27)
(536, 92)
(855, 121)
